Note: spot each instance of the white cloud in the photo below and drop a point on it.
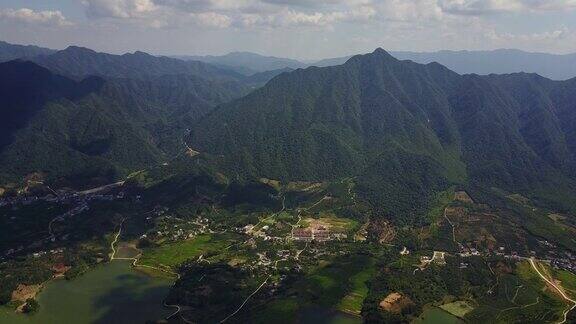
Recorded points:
(545, 36)
(290, 26)
(319, 19)
(481, 7)
(119, 8)
(212, 19)
(28, 16)
(410, 10)
(227, 13)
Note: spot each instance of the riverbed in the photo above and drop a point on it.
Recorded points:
(109, 293)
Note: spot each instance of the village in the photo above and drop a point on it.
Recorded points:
(76, 203)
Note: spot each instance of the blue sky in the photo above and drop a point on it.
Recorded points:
(304, 29)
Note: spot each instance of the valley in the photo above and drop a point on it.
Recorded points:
(296, 250)
(138, 188)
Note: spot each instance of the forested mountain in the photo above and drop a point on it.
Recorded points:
(248, 63)
(10, 52)
(501, 61)
(96, 127)
(402, 129)
(79, 62)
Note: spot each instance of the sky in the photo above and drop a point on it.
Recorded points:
(302, 29)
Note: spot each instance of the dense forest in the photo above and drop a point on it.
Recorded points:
(403, 130)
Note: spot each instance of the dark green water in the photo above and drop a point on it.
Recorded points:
(110, 293)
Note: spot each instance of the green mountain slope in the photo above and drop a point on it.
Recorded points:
(404, 130)
(96, 128)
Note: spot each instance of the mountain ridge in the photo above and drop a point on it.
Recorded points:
(10, 52)
(78, 62)
(96, 128)
(376, 112)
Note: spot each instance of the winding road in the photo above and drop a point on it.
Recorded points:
(560, 291)
(246, 300)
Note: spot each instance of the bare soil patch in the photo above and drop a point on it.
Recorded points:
(395, 303)
(24, 292)
(463, 197)
(60, 270)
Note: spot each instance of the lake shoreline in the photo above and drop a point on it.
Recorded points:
(111, 290)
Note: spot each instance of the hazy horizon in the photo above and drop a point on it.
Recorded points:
(248, 51)
(302, 29)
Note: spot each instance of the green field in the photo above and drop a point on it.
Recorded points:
(353, 301)
(568, 281)
(173, 254)
(458, 308)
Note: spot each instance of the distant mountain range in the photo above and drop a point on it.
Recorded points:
(245, 64)
(403, 130)
(79, 62)
(503, 61)
(10, 52)
(248, 63)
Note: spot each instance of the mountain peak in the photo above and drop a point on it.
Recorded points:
(139, 53)
(78, 49)
(378, 54)
(381, 52)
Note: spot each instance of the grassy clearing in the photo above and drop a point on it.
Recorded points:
(352, 302)
(338, 224)
(173, 254)
(330, 221)
(458, 308)
(152, 272)
(568, 281)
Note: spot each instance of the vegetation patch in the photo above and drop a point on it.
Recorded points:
(353, 301)
(462, 196)
(458, 308)
(173, 254)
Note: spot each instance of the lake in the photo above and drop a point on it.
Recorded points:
(109, 293)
